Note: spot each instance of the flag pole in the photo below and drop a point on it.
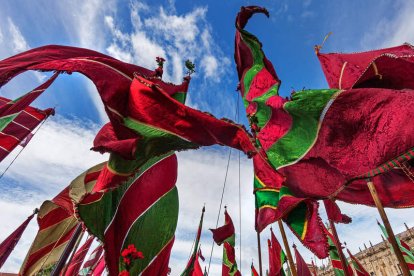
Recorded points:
(66, 252)
(387, 225)
(75, 248)
(259, 249)
(338, 246)
(287, 248)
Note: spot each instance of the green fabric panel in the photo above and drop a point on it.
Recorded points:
(108, 204)
(305, 108)
(231, 240)
(266, 198)
(180, 96)
(154, 143)
(232, 266)
(297, 218)
(145, 232)
(4, 121)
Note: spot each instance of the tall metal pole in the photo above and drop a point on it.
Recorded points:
(259, 250)
(387, 225)
(287, 249)
(66, 252)
(73, 253)
(338, 246)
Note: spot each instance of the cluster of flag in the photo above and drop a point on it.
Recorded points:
(301, 150)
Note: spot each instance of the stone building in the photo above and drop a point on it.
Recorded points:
(377, 259)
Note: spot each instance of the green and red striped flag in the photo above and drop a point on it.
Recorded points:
(276, 256)
(192, 267)
(334, 255)
(254, 271)
(226, 235)
(360, 270)
(92, 261)
(142, 212)
(273, 127)
(405, 249)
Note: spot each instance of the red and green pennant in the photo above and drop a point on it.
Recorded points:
(225, 235)
(282, 135)
(276, 256)
(254, 271)
(142, 212)
(404, 247)
(193, 267)
(334, 255)
(359, 269)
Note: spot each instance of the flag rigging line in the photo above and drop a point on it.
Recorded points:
(14, 159)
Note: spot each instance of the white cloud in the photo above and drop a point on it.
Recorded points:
(392, 31)
(19, 43)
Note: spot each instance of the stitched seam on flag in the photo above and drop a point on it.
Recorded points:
(149, 207)
(342, 72)
(20, 125)
(156, 255)
(160, 129)
(37, 119)
(321, 118)
(126, 191)
(115, 172)
(106, 65)
(114, 111)
(4, 149)
(260, 181)
(305, 229)
(268, 206)
(10, 136)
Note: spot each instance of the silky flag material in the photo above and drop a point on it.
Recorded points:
(15, 128)
(142, 212)
(360, 270)
(271, 122)
(190, 267)
(147, 118)
(57, 223)
(301, 266)
(92, 261)
(276, 256)
(225, 235)
(77, 260)
(7, 246)
(405, 249)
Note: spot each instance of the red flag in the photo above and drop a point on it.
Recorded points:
(334, 213)
(93, 260)
(302, 266)
(276, 256)
(100, 267)
(360, 270)
(254, 271)
(77, 260)
(7, 246)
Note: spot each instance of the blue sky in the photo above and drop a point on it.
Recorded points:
(137, 32)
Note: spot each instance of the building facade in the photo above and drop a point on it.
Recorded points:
(377, 259)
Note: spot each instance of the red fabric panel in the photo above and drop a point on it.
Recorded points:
(395, 65)
(334, 213)
(159, 266)
(274, 256)
(129, 209)
(225, 231)
(76, 262)
(153, 106)
(7, 246)
(301, 265)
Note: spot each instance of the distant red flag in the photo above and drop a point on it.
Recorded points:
(360, 270)
(302, 266)
(254, 271)
(7, 246)
(99, 268)
(77, 260)
(93, 260)
(276, 256)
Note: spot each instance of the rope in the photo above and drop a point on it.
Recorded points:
(14, 159)
(224, 187)
(218, 216)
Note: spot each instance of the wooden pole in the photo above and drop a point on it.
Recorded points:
(338, 246)
(66, 252)
(287, 249)
(259, 249)
(387, 225)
